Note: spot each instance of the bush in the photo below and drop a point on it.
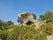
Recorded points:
(41, 36)
(3, 35)
(22, 33)
(48, 28)
(25, 33)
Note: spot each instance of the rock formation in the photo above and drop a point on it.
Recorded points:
(28, 18)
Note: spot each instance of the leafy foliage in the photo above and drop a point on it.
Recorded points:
(10, 23)
(47, 16)
(23, 33)
(5, 25)
(34, 16)
(48, 28)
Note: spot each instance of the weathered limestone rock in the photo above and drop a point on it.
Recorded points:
(28, 18)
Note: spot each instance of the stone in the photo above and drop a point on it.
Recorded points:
(26, 18)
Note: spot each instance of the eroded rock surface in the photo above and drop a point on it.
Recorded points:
(28, 18)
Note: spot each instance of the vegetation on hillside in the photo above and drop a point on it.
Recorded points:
(48, 27)
(9, 31)
(22, 33)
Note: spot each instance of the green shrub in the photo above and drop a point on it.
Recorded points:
(3, 35)
(48, 28)
(25, 33)
(41, 36)
(22, 33)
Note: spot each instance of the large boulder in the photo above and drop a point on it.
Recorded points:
(26, 18)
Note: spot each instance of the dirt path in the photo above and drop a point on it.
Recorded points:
(10, 29)
(50, 37)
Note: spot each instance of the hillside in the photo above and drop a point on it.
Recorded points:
(29, 28)
(23, 33)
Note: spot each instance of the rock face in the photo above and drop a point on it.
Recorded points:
(26, 18)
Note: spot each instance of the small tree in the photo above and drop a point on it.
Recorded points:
(34, 16)
(10, 23)
(46, 16)
(1, 22)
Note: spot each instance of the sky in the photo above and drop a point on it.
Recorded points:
(10, 9)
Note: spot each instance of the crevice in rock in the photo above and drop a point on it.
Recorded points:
(29, 22)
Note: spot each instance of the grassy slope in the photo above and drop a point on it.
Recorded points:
(25, 33)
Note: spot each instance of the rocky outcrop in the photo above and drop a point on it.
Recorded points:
(28, 18)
